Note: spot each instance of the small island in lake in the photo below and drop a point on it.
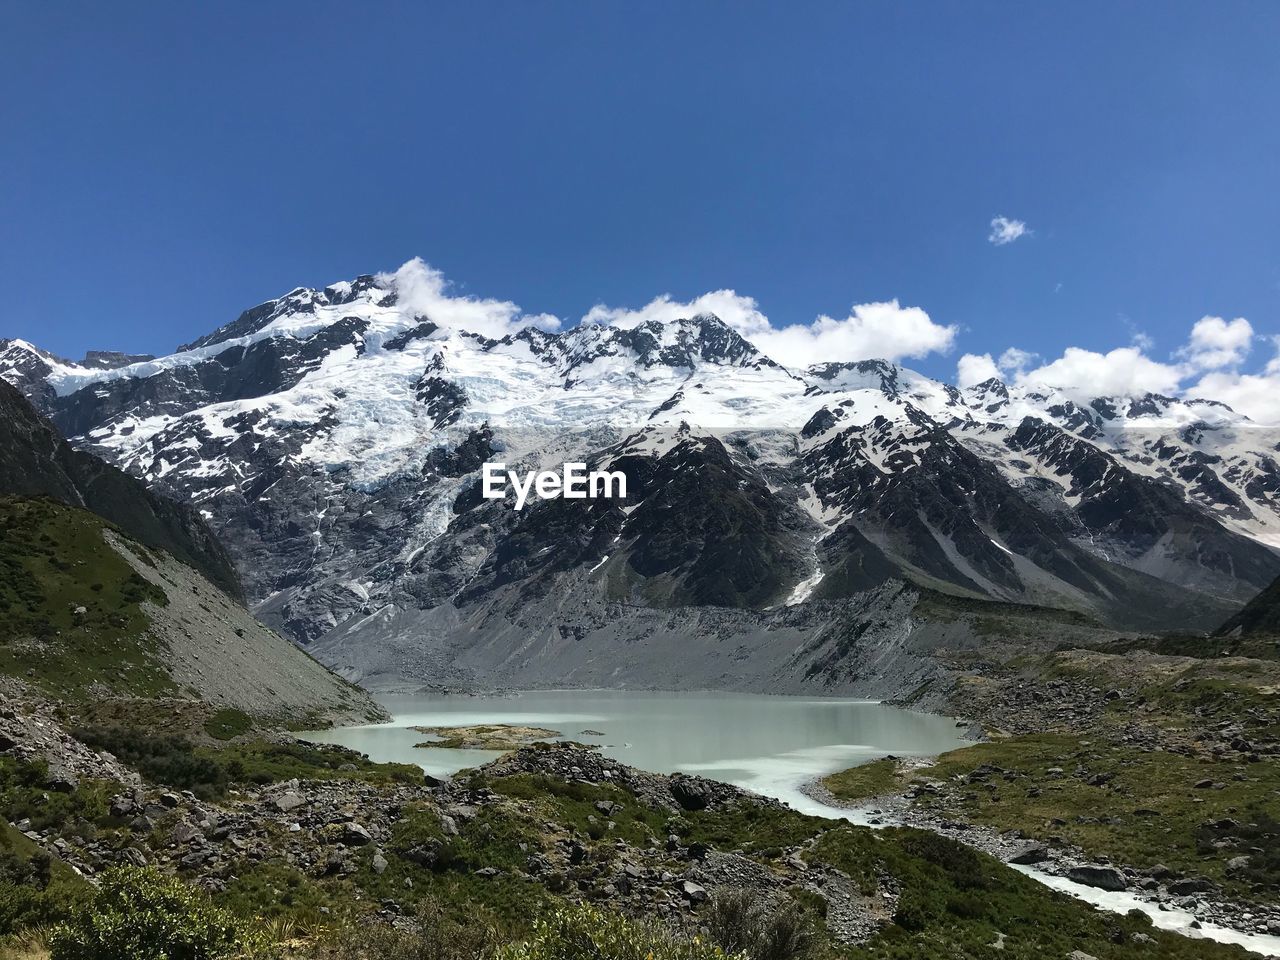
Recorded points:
(485, 736)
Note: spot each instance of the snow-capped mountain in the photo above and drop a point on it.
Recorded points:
(334, 437)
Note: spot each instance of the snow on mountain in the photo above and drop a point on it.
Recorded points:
(334, 438)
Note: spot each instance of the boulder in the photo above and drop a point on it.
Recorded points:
(690, 792)
(1104, 878)
(287, 801)
(693, 892)
(1034, 853)
(1189, 886)
(124, 806)
(354, 835)
(61, 780)
(424, 854)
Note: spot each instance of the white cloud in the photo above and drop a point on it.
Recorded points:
(1256, 395)
(1205, 367)
(1004, 230)
(885, 330)
(421, 289)
(975, 368)
(1123, 371)
(1216, 343)
(1014, 361)
(741, 313)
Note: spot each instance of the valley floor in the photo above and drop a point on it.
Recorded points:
(304, 843)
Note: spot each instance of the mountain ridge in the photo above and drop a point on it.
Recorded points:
(332, 437)
(102, 594)
(36, 461)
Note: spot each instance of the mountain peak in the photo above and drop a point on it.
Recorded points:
(871, 374)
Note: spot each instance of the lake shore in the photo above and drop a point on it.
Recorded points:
(1219, 920)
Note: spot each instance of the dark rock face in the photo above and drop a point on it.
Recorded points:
(947, 513)
(701, 339)
(696, 528)
(712, 528)
(36, 461)
(28, 369)
(444, 400)
(1145, 524)
(237, 373)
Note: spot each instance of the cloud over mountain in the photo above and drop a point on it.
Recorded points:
(1206, 367)
(884, 329)
(421, 288)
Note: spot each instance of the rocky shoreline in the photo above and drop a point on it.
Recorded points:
(340, 829)
(1159, 887)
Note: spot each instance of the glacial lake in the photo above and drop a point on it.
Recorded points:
(769, 744)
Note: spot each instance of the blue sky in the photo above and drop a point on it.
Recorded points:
(165, 167)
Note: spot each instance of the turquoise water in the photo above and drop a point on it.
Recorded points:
(771, 745)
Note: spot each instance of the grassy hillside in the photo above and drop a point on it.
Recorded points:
(71, 607)
(88, 614)
(35, 461)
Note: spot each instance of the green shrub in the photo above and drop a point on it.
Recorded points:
(160, 758)
(25, 794)
(431, 936)
(228, 723)
(141, 914)
(208, 771)
(585, 933)
(741, 922)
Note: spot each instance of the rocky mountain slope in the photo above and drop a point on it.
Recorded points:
(333, 438)
(87, 613)
(96, 606)
(36, 461)
(1259, 618)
